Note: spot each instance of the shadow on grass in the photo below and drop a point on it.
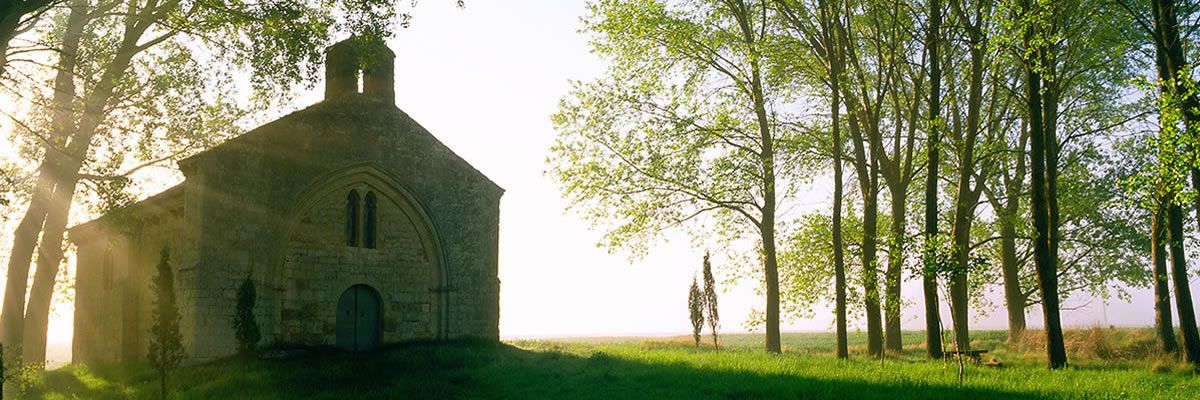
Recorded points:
(473, 370)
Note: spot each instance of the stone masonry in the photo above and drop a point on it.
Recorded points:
(273, 204)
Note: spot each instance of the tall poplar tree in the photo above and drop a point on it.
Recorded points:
(933, 323)
(815, 25)
(1181, 108)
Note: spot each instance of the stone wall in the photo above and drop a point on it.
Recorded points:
(97, 307)
(114, 266)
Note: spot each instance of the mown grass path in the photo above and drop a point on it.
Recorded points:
(615, 369)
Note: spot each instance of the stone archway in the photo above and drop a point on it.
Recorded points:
(359, 313)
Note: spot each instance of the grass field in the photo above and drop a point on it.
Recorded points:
(1106, 364)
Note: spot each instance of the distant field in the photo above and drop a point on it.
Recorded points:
(658, 368)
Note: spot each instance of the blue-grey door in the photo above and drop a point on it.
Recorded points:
(358, 318)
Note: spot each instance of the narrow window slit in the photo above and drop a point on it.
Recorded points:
(352, 214)
(369, 222)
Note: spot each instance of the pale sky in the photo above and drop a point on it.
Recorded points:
(485, 80)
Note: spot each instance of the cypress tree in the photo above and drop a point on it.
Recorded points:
(696, 310)
(244, 326)
(710, 300)
(166, 343)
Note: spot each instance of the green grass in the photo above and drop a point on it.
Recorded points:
(667, 368)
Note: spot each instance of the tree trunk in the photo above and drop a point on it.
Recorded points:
(771, 269)
(839, 263)
(869, 277)
(895, 264)
(963, 218)
(839, 257)
(89, 120)
(1044, 255)
(767, 159)
(12, 322)
(966, 199)
(1162, 291)
(770, 266)
(958, 287)
(1050, 125)
(870, 274)
(65, 178)
(1171, 60)
(1014, 300)
(50, 255)
(864, 129)
(1050, 300)
(958, 281)
(933, 329)
(1183, 294)
(896, 172)
(864, 122)
(1014, 297)
(25, 238)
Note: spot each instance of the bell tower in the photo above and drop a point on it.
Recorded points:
(348, 60)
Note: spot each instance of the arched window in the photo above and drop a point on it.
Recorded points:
(108, 270)
(352, 219)
(369, 222)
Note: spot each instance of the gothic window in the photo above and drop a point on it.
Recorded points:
(108, 270)
(369, 221)
(352, 219)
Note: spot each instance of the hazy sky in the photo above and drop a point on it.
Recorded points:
(485, 80)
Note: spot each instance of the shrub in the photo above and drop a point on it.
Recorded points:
(15, 374)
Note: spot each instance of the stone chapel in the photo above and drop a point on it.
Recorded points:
(358, 227)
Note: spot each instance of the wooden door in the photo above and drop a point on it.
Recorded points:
(346, 312)
(358, 316)
(367, 321)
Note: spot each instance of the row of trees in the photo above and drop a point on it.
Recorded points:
(1044, 167)
(107, 88)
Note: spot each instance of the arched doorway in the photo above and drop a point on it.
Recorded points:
(358, 316)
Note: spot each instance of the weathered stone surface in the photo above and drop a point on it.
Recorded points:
(272, 204)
